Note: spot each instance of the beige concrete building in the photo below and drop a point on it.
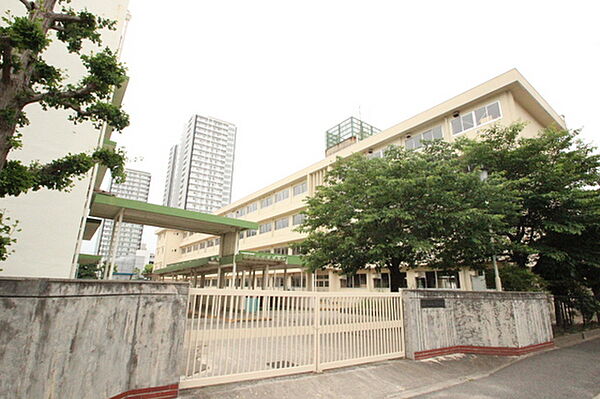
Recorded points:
(278, 207)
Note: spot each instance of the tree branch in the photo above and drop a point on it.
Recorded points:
(83, 91)
(57, 17)
(28, 4)
(6, 61)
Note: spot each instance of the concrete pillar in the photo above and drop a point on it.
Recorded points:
(219, 277)
(243, 282)
(114, 243)
(370, 282)
(202, 280)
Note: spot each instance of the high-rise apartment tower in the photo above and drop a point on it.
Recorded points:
(135, 187)
(200, 169)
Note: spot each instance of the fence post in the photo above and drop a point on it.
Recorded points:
(317, 338)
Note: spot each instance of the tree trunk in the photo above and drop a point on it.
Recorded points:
(395, 276)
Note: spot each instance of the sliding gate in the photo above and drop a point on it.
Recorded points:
(236, 335)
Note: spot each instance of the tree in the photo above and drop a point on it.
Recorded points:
(405, 210)
(26, 78)
(148, 269)
(556, 176)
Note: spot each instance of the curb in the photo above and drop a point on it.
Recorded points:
(564, 341)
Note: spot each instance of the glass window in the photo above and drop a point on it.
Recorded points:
(299, 188)
(280, 251)
(322, 280)
(252, 207)
(265, 202)
(410, 144)
(241, 235)
(250, 233)
(298, 219)
(480, 115)
(456, 125)
(493, 110)
(467, 121)
(282, 223)
(283, 194)
(437, 132)
(265, 228)
(210, 243)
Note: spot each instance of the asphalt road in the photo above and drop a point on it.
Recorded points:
(572, 372)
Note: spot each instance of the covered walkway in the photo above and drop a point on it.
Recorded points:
(121, 210)
(251, 270)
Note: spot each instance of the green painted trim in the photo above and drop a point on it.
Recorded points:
(175, 212)
(188, 264)
(87, 259)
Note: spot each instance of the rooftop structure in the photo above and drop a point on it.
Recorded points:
(347, 133)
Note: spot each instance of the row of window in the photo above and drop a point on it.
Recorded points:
(475, 118)
(417, 140)
(270, 200)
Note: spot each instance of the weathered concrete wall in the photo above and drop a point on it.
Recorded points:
(89, 339)
(440, 322)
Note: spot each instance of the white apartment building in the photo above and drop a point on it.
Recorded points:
(200, 170)
(135, 187)
(278, 207)
(170, 194)
(52, 223)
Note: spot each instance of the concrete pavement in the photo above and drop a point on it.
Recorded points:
(571, 372)
(402, 378)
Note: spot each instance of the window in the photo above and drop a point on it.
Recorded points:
(298, 219)
(280, 251)
(210, 243)
(265, 202)
(299, 188)
(217, 241)
(322, 280)
(283, 194)
(252, 207)
(265, 228)
(417, 140)
(478, 117)
(250, 233)
(382, 281)
(241, 235)
(202, 245)
(282, 223)
(354, 281)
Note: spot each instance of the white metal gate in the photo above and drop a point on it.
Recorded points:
(236, 335)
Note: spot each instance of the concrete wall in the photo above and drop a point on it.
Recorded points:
(89, 339)
(497, 323)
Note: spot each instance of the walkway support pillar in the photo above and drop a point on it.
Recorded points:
(114, 243)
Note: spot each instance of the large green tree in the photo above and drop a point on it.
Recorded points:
(556, 176)
(27, 78)
(405, 210)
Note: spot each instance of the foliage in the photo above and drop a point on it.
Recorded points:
(556, 176)
(515, 278)
(27, 78)
(59, 174)
(7, 228)
(408, 209)
(148, 269)
(90, 271)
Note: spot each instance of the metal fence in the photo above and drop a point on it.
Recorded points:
(236, 335)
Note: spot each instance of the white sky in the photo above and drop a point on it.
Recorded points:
(286, 71)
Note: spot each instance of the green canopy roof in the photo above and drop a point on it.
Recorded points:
(108, 207)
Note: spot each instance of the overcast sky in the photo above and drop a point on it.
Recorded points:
(286, 71)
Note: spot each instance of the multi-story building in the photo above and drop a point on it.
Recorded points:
(52, 223)
(200, 169)
(135, 187)
(278, 207)
(169, 196)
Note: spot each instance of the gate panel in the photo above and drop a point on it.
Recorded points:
(236, 335)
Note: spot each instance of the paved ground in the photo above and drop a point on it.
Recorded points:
(571, 372)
